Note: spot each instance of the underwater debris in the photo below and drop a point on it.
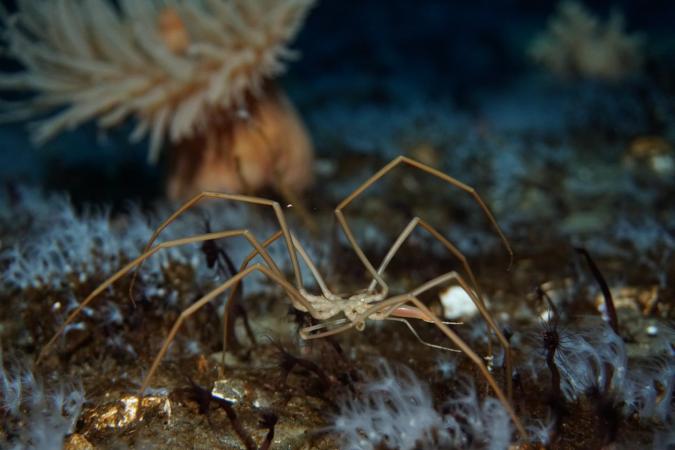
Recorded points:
(577, 44)
(457, 304)
(604, 287)
(194, 74)
(288, 362)
(269, 421)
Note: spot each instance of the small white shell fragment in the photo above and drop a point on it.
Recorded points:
(652, 330)
(546, 316)
(231, 390)
(457, 303)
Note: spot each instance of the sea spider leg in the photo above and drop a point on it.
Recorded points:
(168, 244)
(477, 298)
(187, 312)
(312, 268)
(423, 167)
(303, 254)
(249, 258)
(473, 356)
(414, 332)
(392, 307)
(506, 346)
(229, 304)
(234, 197)
(407, 231)
(307, 333)
(388, 307)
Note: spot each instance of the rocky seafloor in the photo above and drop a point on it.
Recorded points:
(580, 176)
(612, 388)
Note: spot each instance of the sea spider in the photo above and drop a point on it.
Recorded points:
(369, 304)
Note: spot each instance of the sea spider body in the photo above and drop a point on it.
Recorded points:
(372, 303)
(328, 307)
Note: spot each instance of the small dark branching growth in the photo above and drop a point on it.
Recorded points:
(204, 398)
(216, 257)
(244, 437)
(200, 396)
(604, 287)
(606, 408)
(551, 340)
(288, 362)
(269, 421)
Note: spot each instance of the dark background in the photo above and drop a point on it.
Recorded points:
(470, 54)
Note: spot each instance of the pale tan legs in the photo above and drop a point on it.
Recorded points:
(303, 254)
(388, 306)
(407, 323)
(473, 291)
(382, 172)
(377, 275)
(295, 295)
(237, 198)
(477, 360)
(382, 311)
(383, 307)
(289, 288)
(285, 232)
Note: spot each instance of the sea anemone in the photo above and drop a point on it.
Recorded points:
(196, 74)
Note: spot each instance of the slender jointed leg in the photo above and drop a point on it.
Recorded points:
(423, 167)
(237, 198)
(249, 258)
(295, 295)
(407, 231)
(303, 254)
(229, 313)
(412, 330)
(388, 306)
(333, 326)
(189, 311)
(487, 316)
